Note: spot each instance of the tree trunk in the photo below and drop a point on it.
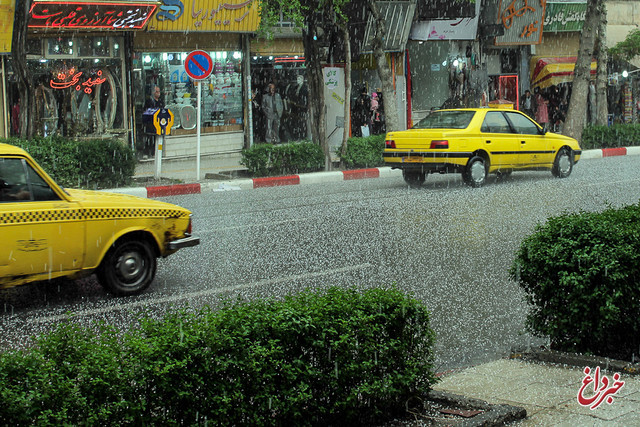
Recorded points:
(316, 90)
(577, 114)
(347, 89)
(19, 62)
(602, 105)
(384, 72)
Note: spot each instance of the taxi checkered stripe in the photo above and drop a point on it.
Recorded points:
(85, 214)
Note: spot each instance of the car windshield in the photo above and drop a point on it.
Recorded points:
(446, 120)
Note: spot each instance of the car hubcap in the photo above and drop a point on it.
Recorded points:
(477, 172)
(564, 164)
(130, 266)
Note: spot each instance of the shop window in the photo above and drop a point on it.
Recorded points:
(34, 47)
(94, 46)
(221, 96)
(60, 46)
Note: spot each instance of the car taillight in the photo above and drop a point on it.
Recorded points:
(440, 143)
(189, 227)
(390, 143)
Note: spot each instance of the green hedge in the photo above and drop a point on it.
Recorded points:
(619, 135)
(283, 159)
(341, 357)
(581, 275)
(96, 163)
(365, 152)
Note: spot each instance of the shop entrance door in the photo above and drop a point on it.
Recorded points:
(505, 91)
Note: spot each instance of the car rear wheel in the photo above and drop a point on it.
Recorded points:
(128, 268)
(475, 173)
(414, 178)
(563, 165)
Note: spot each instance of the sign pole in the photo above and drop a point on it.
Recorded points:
(159, 141)
(199, 83)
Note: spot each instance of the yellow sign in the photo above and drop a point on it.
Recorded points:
(163, 121)
(7, 11)
(337, 97)
(239, 16)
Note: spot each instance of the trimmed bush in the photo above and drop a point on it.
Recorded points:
(334, 357)
(364, 152)
(96, 163)
(297, 157)
(618, 135)
(581, 275)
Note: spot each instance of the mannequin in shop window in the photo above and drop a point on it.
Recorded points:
(272, 107)
(298, 97)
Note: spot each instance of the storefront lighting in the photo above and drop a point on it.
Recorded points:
(43, 60)
(170, 57)
(255, 58)
(444, 63)
(224, 55)
(455, 62)
(70, 43)
(164, 56)
(147, 59)
(95, 61)
(271, 58)
(236, 55)
(116, 46)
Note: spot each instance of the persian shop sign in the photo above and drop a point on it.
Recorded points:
(90, 15)
(522, 21)
(564, 17)
(207, 15)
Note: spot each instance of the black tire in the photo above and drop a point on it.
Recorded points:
(475, 173)
(128, 268)
(563, 164)
(414, 178)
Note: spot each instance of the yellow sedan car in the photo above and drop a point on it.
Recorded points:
(476, 142)
(49, 231)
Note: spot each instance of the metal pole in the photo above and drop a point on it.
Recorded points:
(159, 144)
(198, 132)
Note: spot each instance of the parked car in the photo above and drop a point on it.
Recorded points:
(49, 231)
(476, 142)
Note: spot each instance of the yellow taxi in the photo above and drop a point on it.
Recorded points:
(476, 142)
(49, 231)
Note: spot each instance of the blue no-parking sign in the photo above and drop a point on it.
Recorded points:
(198, 65)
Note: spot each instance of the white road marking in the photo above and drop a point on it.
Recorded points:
(199, 294)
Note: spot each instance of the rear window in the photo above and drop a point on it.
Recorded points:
(446, 120)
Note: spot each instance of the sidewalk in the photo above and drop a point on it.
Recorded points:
(548, 392)
(224, 172)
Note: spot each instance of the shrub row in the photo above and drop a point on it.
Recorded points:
(334, 357)
(364, 152)
(96, 163)
(618, 135)
(283, 159)
(581, 273)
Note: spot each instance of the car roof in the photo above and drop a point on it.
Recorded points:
(11, 149)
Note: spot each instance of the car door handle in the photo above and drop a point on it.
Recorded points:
(488, 142)
(523, 142)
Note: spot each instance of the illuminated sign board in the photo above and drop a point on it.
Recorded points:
(90, 15)
(73, 78)
(207, 15)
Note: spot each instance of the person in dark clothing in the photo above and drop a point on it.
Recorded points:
(528, 104)
(153, 102)
(362, 114)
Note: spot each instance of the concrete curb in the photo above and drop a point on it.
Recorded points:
(311, 178)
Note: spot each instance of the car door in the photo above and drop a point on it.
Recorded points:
(499, 140)
(41, 231)
(534, 150)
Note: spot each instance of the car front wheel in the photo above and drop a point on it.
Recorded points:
(475, 173)
(414, 178)
(128, 268)
(563, 165)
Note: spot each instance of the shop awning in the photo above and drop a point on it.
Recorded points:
(549, 71)
(398, 16)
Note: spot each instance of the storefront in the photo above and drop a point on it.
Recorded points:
(76, 64)
(446, 67)
(158, 60)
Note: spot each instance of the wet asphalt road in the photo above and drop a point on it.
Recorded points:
(448, 244)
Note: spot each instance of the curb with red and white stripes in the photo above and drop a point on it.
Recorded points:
(311, 178)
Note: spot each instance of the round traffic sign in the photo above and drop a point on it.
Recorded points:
(198, 65)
